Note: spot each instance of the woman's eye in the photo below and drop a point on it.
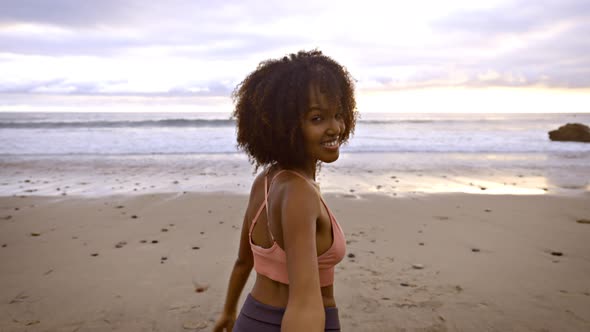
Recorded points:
(339, 115)
(316, 118)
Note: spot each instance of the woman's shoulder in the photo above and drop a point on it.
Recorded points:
(290, 188)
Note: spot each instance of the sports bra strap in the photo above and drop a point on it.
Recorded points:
(290, 171)
(266, 190)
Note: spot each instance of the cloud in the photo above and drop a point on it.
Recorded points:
(70, 13)
(514, 18)
(524, 43)
(203, 48)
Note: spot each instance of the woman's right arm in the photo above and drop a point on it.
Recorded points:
(239, 276)
(300, 209)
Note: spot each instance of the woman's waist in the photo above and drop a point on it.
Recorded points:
(274, 293)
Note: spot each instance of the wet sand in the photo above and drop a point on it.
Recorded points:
(391, 174)
(415, 262)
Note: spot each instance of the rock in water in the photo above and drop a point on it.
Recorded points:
(575, 132)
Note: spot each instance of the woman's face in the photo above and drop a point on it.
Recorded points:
(322, 126)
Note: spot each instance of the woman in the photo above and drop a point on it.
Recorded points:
(292, 114)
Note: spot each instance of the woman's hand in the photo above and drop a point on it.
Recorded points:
(225, 322)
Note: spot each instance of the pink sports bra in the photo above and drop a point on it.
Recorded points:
(272, 262)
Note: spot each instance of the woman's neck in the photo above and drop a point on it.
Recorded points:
(309, 170)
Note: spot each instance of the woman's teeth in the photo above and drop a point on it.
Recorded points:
(331, 144)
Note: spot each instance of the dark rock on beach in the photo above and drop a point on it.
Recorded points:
(575, 132)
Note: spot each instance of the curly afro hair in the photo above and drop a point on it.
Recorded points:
(272, 100)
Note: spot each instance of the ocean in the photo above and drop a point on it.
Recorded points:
(394, 154)
(214, 133)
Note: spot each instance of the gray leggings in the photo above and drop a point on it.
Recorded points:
(260, 317)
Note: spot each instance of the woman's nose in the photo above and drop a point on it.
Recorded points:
(335, 127)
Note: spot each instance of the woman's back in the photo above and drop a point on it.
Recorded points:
(266, 290)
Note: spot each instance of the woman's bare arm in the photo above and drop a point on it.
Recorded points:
(239, 275)
(240, 272)
(300, 210)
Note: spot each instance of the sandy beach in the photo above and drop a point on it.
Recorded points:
(160, 262)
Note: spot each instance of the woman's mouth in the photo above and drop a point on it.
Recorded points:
(332, 145)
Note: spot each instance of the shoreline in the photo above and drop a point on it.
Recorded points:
(435, 262)
(393, 174)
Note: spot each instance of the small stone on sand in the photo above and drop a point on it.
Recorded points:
(196, 248)
(134, 217)
(35, 234)
(120, 244)
(94, 254)
(405, 284)
(488, 210)
(556, 253)
(418, 266)
(421, 243)
(351, 255)
(164, 258)
(164, 229)
(583, 221)
(154, 241)
(200, 288)
(4, 245)
(475, 250)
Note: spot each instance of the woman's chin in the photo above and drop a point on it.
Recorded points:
(332, 158)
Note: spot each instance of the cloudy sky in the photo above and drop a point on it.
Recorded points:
(188, 55)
